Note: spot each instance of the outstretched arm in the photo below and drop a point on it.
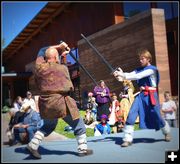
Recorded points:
(137, 76)
(119, 75)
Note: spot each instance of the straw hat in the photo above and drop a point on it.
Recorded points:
(25, 106)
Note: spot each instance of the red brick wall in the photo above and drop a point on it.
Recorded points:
(119, 44)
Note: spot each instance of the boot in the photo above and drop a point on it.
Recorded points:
(33, 152)
(126, 144)
(82, 146)
(167, 137)
(33, 145)
(86, 152)
(128, 135)
(166, 131)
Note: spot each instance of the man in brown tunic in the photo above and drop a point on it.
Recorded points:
(54, 83)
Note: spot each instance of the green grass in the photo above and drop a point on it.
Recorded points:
(62, 124)
(136, 127)
(89, 132)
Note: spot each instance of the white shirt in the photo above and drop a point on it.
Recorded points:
(136, 76)
(169, 105)
(113, 109)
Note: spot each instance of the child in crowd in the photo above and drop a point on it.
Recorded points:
(94, 108)
(89, 104)
(103, 127)
(88, 117)
(114, 107)
(127, 98)
(169, 108)
(120, 123)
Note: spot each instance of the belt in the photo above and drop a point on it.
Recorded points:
(53, 92)
(150, 91)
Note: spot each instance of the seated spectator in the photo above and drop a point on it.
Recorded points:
(15, 115)
(120, 124)
(18, 103)
(28, 125)
(103, 127)
(15, 119)
(16, 106)
(30, 100)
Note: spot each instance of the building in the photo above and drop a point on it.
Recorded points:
(66, 21)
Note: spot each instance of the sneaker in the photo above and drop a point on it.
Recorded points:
(126, 144)
(86, 152)
(167, 137)
(33, 152)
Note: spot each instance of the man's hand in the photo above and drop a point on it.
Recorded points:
(25, 126)
(65, 51)
(103, 94)
(21, 125)
(63, 46)
(118, 74)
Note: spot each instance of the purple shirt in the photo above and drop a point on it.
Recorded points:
(99, 98)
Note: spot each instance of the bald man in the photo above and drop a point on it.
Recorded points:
(54, 83)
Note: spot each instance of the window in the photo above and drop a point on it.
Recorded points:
(170, 9)
(175, 9)
(131, 9)
(76, 55)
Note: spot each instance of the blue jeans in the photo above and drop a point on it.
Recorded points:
(50, 124)
(30, 131)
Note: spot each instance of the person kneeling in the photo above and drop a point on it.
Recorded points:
(103, 127)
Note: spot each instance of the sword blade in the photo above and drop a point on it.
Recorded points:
(98, 53)
(83, 68)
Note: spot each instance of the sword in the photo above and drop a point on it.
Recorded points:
(83, 68)
(100, 56)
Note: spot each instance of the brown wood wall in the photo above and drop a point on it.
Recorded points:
(77, 18)
(119, 44)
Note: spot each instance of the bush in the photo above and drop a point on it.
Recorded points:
(5, 109)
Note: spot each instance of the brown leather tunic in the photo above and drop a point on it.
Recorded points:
(54, 82)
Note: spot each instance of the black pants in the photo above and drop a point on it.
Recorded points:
(103, 108)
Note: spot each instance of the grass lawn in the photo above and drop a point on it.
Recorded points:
(89, 132)
(62, 124)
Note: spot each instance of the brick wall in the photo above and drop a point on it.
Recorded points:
(119, 44)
